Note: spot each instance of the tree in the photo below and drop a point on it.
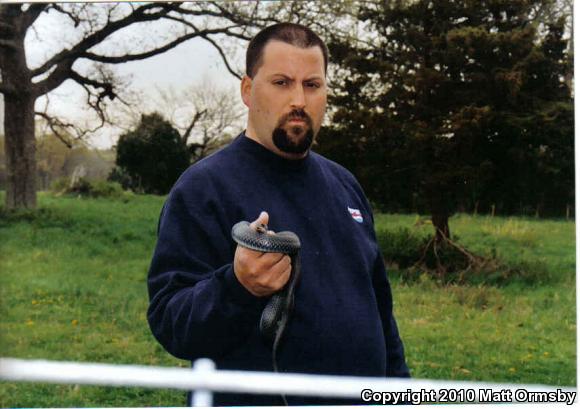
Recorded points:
(88, 57)
(450, 102)
(92, 25)
(152, 156)
(206, 116)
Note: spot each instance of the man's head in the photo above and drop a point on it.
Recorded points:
(285, 88)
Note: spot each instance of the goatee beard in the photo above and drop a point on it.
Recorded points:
(301, 143)
(283, 141)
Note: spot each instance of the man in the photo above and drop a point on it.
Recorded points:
(207, 294)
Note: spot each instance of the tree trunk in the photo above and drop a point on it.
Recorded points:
(20, 149)
(439, 207)
(475, 208)
(441, 223)
(19, 141)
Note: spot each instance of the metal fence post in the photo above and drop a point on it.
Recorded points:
(203, 397)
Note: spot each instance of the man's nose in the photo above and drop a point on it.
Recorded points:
(298, 97)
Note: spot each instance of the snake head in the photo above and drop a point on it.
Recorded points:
(262, 228)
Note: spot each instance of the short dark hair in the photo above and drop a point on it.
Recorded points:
(290, 33)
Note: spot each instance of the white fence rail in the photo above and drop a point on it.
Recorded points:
(204, 379)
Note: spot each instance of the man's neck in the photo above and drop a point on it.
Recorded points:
(250, 133)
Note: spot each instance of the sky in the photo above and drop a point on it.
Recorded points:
(192, 62)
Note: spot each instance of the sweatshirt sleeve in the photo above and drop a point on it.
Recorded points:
(396, 365)
(197, 306)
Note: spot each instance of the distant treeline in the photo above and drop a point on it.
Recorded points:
(55, 162)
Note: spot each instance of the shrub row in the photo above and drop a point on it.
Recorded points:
(88, 188)
(409, 257)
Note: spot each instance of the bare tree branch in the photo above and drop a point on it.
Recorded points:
(183, 21)
(176, 7)
(206, 116)
(31, 14)
(196, 118)
(160, 50)
(247, 21)
(224, 57)
(54, 126)
(106, 88)
(60, 74)
(238, 20)
(76, 20)
(65, 59)
(139, 15)
(58, 126)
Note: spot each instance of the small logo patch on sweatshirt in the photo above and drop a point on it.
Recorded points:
(356, 214)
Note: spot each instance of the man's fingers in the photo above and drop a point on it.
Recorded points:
(277, 276)
(266, 260)
(280, 266)
(283, 277)
(269, 260)
(262, 273)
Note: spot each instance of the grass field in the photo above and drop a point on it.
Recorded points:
(73, 287)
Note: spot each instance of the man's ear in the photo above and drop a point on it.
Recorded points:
(246, 90)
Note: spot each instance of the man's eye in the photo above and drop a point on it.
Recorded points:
(280, 82)
(312, 85)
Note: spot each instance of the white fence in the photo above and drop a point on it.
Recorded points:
(203, 379)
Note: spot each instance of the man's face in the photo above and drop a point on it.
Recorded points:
(286, 98)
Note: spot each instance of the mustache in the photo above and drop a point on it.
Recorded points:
(296, 114)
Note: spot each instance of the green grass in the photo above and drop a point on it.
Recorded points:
(73, 287)
(517, 333)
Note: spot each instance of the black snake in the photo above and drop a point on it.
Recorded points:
(277, 311)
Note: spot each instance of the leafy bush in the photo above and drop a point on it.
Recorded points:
(412, 257)
(60, 185)
(103, 188)
(401, 247)
(121, 176)
(98, 188)
(82, 187)
(151, 157)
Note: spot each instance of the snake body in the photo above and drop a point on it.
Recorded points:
(277, 311)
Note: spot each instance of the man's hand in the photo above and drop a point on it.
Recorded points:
(262, 274)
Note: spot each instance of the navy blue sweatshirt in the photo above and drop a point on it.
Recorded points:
(342, 323)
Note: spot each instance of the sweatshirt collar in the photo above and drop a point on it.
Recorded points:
(264, 155)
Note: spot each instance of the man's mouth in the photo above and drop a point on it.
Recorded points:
(298, 119)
